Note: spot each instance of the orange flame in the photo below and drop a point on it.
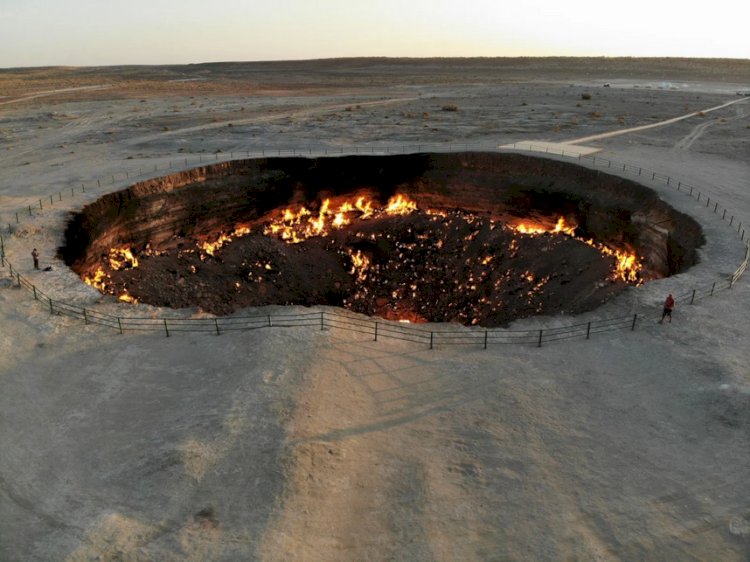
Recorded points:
(98, 280)
(297, 226)
(121, 258)
(360, 263)
(627, 265)
(365, 207)
(211, 247)
(125, 297)
(560, 227)
(400, 205)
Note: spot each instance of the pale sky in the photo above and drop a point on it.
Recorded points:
(113, 32)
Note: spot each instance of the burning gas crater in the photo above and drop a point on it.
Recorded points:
(393, 260)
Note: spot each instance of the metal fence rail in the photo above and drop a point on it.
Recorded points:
(344, 320)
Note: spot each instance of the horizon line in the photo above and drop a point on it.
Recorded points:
(383, 58)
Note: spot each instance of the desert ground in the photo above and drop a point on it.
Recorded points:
(300, 444)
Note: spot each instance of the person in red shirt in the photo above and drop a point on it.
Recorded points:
(668, 307)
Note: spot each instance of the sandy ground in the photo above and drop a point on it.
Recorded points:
(294, 444)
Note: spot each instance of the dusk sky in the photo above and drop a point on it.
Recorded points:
(111, 32)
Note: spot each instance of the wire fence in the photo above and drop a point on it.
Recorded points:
(372, 328)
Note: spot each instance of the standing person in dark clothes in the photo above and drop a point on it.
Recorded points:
(668, 307)
(35, 257)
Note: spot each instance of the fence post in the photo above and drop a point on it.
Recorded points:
(376, 331)
(322, 327)
(33, 287)
(119, 324)
(51, 308)
(635, 319)
(712, 288)
(18, 279)
(85, 317)
(588, 330)
(40, 204)
(539, 343)
(29, 210)
(269, 320)
(692, 298)
(17, 218)
(731, 220)
(716, 206)
(216, 323)
(431, 335)
(708, 202)
(485, 339)
(724, 215)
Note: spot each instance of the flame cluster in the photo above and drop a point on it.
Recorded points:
(560, 227)
(360, 264)
(297, 226)
(122, 258)
(627, 265)
(211, 247)
(118, 259)
(412, 252)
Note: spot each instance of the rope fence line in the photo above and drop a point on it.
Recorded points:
(376, 329)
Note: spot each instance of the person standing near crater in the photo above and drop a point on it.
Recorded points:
(35, 257)
(668, 307)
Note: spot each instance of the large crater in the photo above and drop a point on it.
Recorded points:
(216, 237)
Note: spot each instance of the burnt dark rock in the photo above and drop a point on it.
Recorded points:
(453, 268)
